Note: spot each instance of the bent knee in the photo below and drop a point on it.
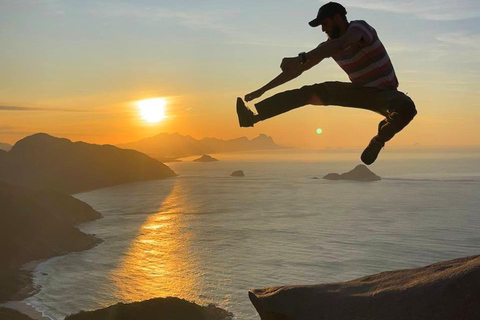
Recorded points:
(410, 110)
(405, 107)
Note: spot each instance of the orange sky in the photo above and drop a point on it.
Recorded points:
(75, 71)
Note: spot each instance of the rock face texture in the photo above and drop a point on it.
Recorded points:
(238, 173)
(155, 309)
(45, 162)
(205, 158)
(447, 290)
(37, 225)
(359, 173)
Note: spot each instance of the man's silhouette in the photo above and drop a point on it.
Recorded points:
(357, 49)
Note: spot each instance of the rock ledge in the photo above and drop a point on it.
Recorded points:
(447, 290)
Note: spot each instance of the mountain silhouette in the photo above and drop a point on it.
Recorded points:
(175, 145)
(37, 225)
(5, 146)
(46, 162)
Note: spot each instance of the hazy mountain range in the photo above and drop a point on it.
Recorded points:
(5, 146)
(165, 145)
(45, 162)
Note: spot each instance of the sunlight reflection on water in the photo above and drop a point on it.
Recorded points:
(157, 255)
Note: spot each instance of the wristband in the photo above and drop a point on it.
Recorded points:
(303, 57)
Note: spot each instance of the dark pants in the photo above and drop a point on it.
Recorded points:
(397, 108)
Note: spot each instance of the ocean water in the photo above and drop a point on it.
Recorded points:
(209, 238)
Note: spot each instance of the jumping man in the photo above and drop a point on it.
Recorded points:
(357, 49)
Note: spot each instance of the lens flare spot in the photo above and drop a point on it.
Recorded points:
(319, 131)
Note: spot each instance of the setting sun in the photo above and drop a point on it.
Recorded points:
(152, 110)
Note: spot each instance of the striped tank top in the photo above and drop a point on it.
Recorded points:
(367, 62)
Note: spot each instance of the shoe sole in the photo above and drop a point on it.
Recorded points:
(242, 113)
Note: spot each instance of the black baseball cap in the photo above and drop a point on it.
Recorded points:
(327, 11)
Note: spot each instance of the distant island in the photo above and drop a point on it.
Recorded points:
(167, 146)
(205, 158)
(359, 173)
(238, 173)
(44, 162)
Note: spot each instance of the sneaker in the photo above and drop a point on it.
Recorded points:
(369, 155)
(245, 115)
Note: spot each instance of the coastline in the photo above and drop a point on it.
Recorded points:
(28, 289)
(17, 300)
(26, 309)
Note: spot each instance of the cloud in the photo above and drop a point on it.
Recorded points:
(51, 7)
(10, 130)
(16, 108)
(439, 10)
(211, 19)
(268, 43)
(4, 129)
(11, 108)
(470, 41)
(462, 48)
(54, 7)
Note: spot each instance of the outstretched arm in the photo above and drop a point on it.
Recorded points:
(285, 76)
(326, 49)
(292, 67)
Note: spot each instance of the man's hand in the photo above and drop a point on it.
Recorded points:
(254, 95)
(291, 68)
(289, 64)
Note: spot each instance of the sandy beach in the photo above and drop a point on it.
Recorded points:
(27, 291)
(23, 307)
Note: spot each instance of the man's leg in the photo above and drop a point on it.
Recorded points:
(401, 110)
(337, 93)
(280, 103)
(289, 100)
(398, 108)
